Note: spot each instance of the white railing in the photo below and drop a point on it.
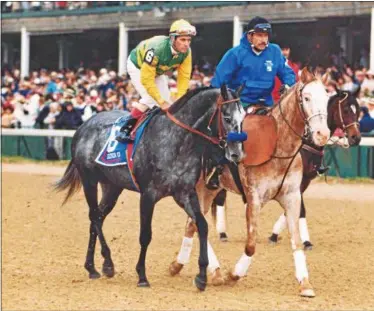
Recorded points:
(37, 132)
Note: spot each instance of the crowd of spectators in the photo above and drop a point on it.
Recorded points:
(25, 6)
(65, 99)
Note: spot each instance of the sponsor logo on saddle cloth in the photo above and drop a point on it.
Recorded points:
(116, 153)
(113, 152)
(269, 65)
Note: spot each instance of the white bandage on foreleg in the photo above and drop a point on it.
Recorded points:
(185, 251)
(301, 270)
(221, 219)
(213, 260)
(241, 267)
(303, 228)
(280, 225)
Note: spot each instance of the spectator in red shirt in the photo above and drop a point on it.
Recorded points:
(286, 51)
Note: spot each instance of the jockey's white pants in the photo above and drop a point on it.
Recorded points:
(161, 83)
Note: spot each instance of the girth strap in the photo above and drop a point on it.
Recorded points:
(235, 175)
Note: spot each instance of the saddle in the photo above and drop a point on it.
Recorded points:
(262, 132)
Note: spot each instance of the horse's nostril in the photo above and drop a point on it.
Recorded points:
(234, 156)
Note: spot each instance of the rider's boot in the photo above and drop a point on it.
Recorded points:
(124, 135)
(321, 170)
(212, 180)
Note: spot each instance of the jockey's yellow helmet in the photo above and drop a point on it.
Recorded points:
(182, 28)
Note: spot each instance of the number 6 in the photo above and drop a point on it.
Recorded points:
(149, 56)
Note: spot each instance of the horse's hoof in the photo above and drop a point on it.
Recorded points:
(306, 289)
(231, 279)
(223, 237)
(108, 271)
(308, 246)
(175, 268)
(273, 239)
(199, 283)
(94, 275)
(144, 284)
(218, 279)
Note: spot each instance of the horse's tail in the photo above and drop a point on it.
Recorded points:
(71, 180)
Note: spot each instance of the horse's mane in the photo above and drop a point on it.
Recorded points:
(186, 97)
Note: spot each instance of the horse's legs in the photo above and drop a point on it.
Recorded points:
(291, 202)
(219, 214)
(147, 205)
(108, 201)
(90, 192)
(190, 202)
(185, 251)
(252, 212)
(184, 254)
(278, 227)
(304, 233)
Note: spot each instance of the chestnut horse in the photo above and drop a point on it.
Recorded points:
(342, 113)
(302, 111)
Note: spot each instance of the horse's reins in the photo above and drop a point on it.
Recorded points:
(220, 141)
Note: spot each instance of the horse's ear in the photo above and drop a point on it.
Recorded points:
(239, 90)
(306, 75)
(224, 93)
(325, 78)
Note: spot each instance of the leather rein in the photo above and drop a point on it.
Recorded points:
(221, 139)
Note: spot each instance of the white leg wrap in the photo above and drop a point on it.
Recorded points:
(301, 270)
(303, 227)
(185, 251)
(213, 261)
(280, 225)
(241, 267)
(221, 219)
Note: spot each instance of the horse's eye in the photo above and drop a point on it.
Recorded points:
(228, 120)
(307, 99)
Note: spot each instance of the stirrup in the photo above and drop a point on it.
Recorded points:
(322, 170)
(212, 180)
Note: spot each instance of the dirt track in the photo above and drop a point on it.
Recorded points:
(44, 248)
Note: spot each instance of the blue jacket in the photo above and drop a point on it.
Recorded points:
(241, 65)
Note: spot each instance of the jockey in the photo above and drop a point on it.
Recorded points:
(147, 64)
(255, 62)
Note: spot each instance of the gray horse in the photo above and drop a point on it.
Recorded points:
(168, 162)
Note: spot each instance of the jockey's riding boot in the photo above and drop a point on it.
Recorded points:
(322, 169)
(125, 131)
(212, 180)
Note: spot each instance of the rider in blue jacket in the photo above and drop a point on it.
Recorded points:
(254, 63)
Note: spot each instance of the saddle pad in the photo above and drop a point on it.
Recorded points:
(262, 139)
(114, 152)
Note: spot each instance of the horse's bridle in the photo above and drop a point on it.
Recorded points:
(345, 127)
(222, 135)
(308, 130)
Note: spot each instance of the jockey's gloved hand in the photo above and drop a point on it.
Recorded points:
(165, 106)
(283, 88)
